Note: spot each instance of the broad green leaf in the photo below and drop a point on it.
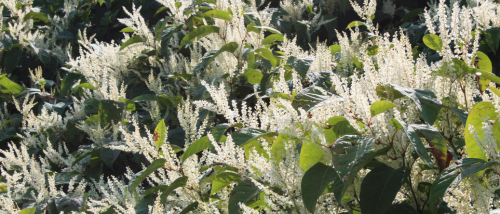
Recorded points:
(110, 112)
(127, 30)
(300, 65)
(253, 76)
(129, 104)
(81, 157)
(334, 49)
(395, 124)
(388, 92)
(184, 76)
(433, 42)
(160, 134)
(380, 187)
(66, 177)
(84, 85)
(220, 14)
(241, 193)
(278, 149)
(158, 163)
(494, 90)
(245, 135)
(68, 81)
(144, 97)
(108, 156)
(373, 50)
(257, 146)
(179, 182)
(168, 102)
(380, 106)
(338, 126)
(7, 86)
(197, 33)
(475, 121)
(425, 100)
(451, 177)
(28, 211)
(463, 115)
(189, 208)
(314, 183)
(493, 38)
(222, 180)
(132, 40)
(197, 146)
(267, 54)
(355, 24)
(155, 189)
(312, 153)
(438, 144)
(417, 143)
(37, 16)
(11, 59)
(272, 38)
(483, 63)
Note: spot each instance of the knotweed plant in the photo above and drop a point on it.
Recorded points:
(233, 106)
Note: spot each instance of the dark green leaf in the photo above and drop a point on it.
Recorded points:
(314, 183)
(197, 146)
(179, 182)
(190, 207)
(197, 33)
(222, 180)
(11, 59)
(132, 40)
(438, 144)
(67, 83)
(425, 100)
(380, 187)
(155, 189)
(401, 208)
(493, 38)
(158, 163)
(267, 54)
(245, 135)
(417, 143)
(108, 156)
(300, 65)
(244, 191)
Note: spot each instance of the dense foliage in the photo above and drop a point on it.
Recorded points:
(249, 106)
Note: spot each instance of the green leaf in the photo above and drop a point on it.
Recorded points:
(210, 55)
(380, 187)
(245, 135)
(335, 49)
(493, 38)
(300, 65)
(160, 10)
(476, 117)
(451, 177)
(198, 33)
(388, 92)
(267, 54)
(381, 106)
(314, 183)
(167, 102)
(463, 115)
(425, 100)
(144, 97)
(312, 153)
(241, 193)
(402, 208)
(373, 50)
(438, 144)
(158, 163)
(487, 75)
(68, 81)
(222, 180)
(197, 146)
(127, 30)
(270, 29)
(108, 156)
(189, 208)
(160, 134)
(110, 112)
(220, 14)
(483, 63)
(7, 86)
(11, 60)
(253, 76)
(417, 143)
(355, 24)
(28, 211)
(132, 40)
(81, 157)
(155, 189)
(494, 90)
(338, 126)
(84, 85)
(37, 16)
(272, 38)
(129, 104)
(179, 182)
(433, 42)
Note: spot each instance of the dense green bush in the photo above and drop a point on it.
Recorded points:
(249, 106)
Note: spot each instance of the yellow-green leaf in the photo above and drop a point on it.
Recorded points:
(160, 134)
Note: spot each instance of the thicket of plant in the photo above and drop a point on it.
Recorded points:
(249, 106)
